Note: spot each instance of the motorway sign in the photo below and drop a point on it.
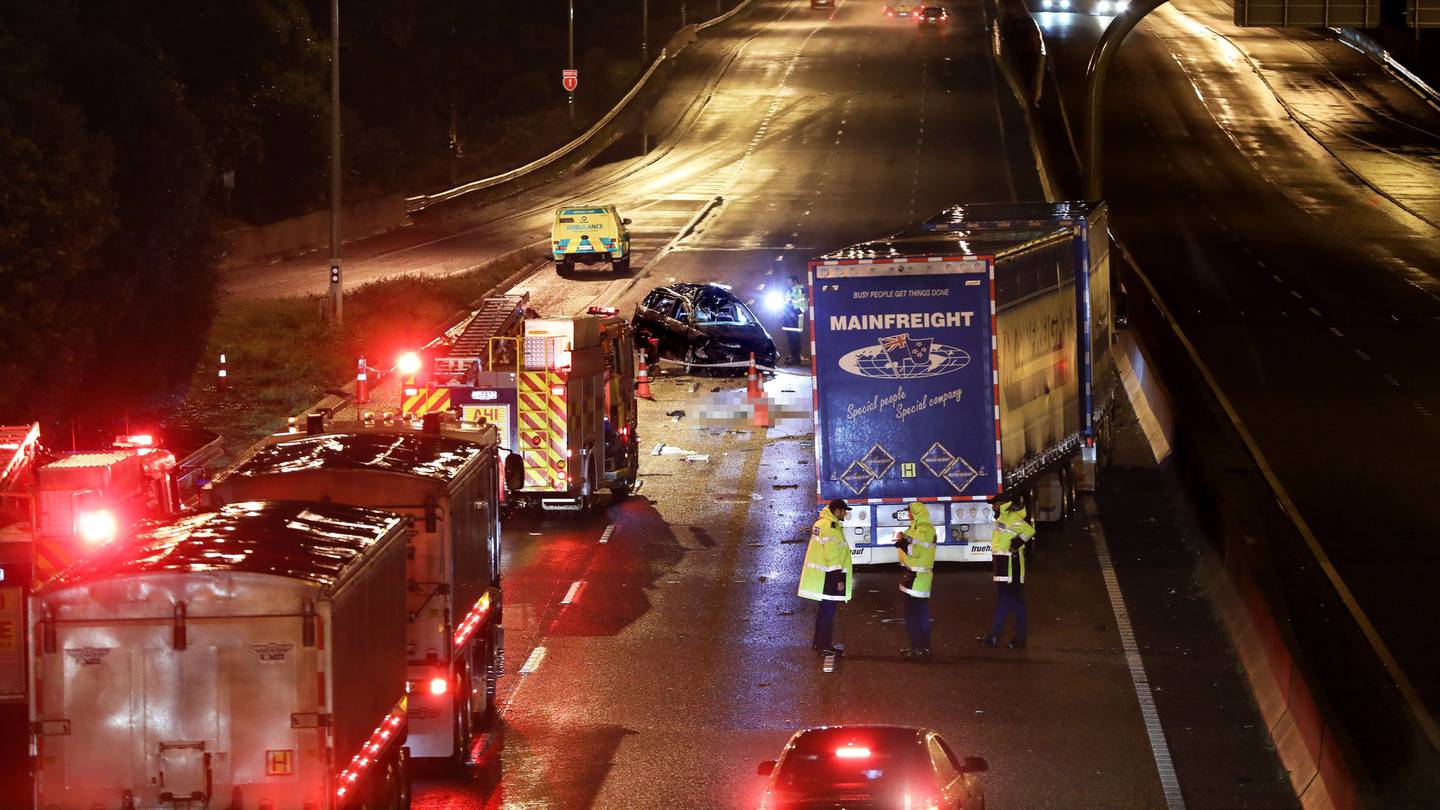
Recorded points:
(1307, 13)
(569, 79)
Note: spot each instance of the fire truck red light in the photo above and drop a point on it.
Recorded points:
(439, 686)
(408, 363)
(141, 440)
(97, 526)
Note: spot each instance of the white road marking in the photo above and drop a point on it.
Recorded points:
(1169, 782)
(572, 593)
(610, 530)
(533, 662)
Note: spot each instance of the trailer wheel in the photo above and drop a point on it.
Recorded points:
(402, 793)
(490, 710)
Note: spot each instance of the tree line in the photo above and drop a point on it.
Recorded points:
(132, 131)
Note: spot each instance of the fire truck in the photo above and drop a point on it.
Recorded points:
(448, 482)
(561, 392)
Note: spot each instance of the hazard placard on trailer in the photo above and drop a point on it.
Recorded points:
(569, 79)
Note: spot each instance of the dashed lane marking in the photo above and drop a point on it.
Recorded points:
(1391, 380)
(610, 530)
(533, 662)
(573, 592)
(1169, 781)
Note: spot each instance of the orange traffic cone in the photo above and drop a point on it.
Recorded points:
(752, 381)
(642, 380)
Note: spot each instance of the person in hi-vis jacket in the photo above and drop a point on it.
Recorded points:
(794, 325)
(1012, 534)
(827, 573)
(917, 557)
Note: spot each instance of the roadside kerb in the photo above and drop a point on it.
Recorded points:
(682, 38)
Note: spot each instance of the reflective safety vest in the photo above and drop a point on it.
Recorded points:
(795, 299)
(1008, 555)
(921, 555)
(827, 552)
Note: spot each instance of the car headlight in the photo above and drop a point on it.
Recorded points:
(1048, 4)
(1120, 6)
(774, 300)
(1064, 3)
(1102, 7)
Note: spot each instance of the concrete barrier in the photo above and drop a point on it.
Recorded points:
(357, 220)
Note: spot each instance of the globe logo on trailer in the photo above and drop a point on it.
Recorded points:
(902, 357)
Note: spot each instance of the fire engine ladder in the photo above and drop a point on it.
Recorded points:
(542, 415)
(18, 448)
(501, 316)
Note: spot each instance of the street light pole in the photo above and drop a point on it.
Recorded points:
(644, 33)
(570, 101)
(1095, 76)
(337, 298)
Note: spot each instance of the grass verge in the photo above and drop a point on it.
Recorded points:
(283, 355)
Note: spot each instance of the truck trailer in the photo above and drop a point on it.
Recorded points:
(250, 656)
(958, 361)
(448, 481)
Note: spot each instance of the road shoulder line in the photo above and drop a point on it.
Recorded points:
(1164, 766)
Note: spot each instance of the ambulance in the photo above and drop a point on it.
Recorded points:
(590, 234)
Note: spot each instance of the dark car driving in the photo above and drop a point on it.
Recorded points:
(855, 767)
(702, 324)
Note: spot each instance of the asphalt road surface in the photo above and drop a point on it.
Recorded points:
(662, 664)
(1280, 191)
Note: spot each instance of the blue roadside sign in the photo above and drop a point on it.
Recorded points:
(905, 379)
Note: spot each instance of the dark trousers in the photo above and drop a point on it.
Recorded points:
(1009, 598)
(917, 621)
(793, 341)
(825, 623)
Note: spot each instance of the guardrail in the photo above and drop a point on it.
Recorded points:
(684, 37)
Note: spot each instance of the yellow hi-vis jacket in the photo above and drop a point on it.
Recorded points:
(1008, 555)
(920, 558)
(826, 553)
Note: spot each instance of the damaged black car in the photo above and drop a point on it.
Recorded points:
(702, 325)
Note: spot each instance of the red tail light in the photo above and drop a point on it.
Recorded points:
(439, 686)
(852, 752)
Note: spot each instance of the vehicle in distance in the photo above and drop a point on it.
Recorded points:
(1097, 7)
(928, 16)
(899, 12)
(822, 3)
(871, 767)
(590, 234)
(702, 324)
